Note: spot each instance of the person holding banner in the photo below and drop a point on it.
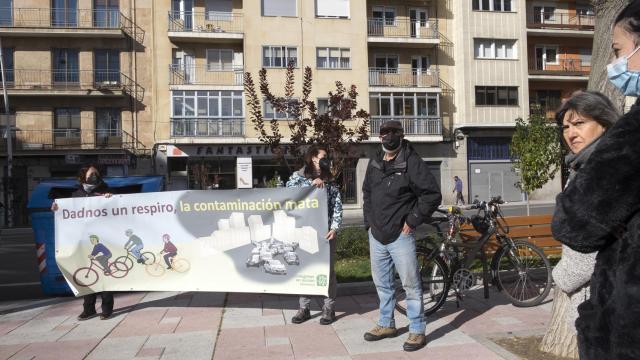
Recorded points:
(90, 183)
(317, 172)
(399, 194)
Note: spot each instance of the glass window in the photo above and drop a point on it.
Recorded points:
(108, 122)
(323, 106)
(65, 65)
(106, 65)
(219, 59)
(496, 96)
(279, 56)
(279, 8)
(495, 49)
(333, 58)
(67, 119)
(385, 106)
(6, 13)
(385, 15)
(7, 58)
(585, 57)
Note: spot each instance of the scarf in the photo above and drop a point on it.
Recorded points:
(575, 161)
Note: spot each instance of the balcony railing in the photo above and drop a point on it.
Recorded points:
(568, 67)
(69, 139)
(205, 22)
(403, 28)
(394, 77)
(56, 80)
(204, 75)
(411, 125)
(207, 127)
(564, 21)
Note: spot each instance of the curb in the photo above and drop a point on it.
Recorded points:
(356, 288)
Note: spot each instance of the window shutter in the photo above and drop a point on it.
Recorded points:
(279, 7)
(333, 8)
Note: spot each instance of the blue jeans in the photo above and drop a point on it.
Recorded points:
(402, 254)
(136, 251)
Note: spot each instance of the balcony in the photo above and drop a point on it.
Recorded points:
(227, 127)
(27, 82)
(564, 69)
(183, 75)
(403, 78)
(561, 24)
(204, 26)
(417, 126)
(403, 32)
(47, 22)
(71, 139)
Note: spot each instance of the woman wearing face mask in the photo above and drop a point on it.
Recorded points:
(317, 172)
(90, 183)
(583, 118)
(599, 211)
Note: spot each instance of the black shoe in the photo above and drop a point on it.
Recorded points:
(169, 267)
(86, 316)
(301, 316)
(140, 261)
(328, 316)
(105, 316)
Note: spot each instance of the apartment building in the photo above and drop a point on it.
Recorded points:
(391, 50)
(507, 68)
(75, 92)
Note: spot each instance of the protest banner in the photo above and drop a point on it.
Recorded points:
(258, 240)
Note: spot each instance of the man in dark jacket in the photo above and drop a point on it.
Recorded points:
(399, 194)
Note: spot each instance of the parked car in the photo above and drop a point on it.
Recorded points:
(253, 260)
(291, 258)
(275, 267)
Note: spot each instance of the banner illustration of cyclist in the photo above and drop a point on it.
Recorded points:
(254, 240)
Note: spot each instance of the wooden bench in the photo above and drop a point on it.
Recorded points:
(536, 229)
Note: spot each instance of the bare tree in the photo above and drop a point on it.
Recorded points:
(339, 129)
(606, 12)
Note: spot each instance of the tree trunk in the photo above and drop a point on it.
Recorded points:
(560, 338)
(606, 12)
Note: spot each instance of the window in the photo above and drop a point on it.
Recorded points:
(332, 8)
(549, 100)
(387, 63)
(495, 49)
(207, 113)
(271, 113)
(67, 122)
(585, 57)
(279, 56)
(543, 14)
(7, 58)
(492, 5)
(106, 65)
(64, 13)
(219, 59)
(279, 8)
(323, 106)
(385, 15)
(106, 14)
(496, 96)
(404, 104)
(333, 58)
(65, 65)
(107, 122)
(218, 10)
(6, 14)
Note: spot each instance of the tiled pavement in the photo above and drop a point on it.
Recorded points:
(220, 326)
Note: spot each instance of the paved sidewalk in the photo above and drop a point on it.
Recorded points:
(220, 326)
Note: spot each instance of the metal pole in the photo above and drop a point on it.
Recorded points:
(8, 187)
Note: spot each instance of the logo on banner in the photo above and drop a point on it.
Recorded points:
(321, 280)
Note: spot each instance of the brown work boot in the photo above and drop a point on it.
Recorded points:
(415, 342)
(380, 332)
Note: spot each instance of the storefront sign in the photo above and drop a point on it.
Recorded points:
(224, 150)
(244, 173)
(261, 240)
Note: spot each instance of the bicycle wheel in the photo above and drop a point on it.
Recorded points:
(118, 269)
(125, 260)
(523, 272)
(180, 265)
(435, 285)
(85, 276)
(148, 257)
(155, 269)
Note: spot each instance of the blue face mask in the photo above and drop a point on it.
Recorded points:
(628, 82)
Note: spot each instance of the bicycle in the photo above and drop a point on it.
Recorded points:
(157, 269)
(147, 256)
(117, 270)
(519, 269)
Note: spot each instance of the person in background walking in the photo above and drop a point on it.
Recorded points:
(317, 172)
(457, 188)
(400, 193)
(600, 211)
(90, 183)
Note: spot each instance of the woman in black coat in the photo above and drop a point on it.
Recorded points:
(600, 211)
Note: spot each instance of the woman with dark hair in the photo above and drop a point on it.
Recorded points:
(317, 172)
(583, 118)
(90, 183)
(600, 211)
